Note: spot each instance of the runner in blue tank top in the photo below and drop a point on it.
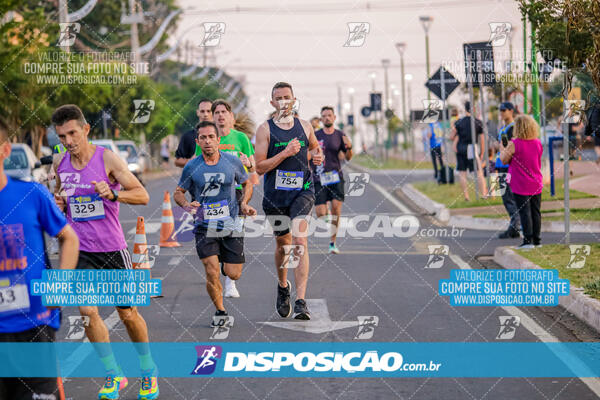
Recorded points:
(283, 145)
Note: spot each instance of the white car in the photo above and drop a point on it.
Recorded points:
(136, 158)
(24, 165)
(109, 144)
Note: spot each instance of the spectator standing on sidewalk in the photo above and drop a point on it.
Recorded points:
(507, 110)
(465, 150)
(435, 135)
(592, 128)
(524, 157)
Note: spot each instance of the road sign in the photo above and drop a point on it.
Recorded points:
(365, 111)
(479, 57)
(351, 119)
(375, 101)
(434, 83)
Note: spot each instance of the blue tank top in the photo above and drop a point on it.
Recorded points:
(292, 177)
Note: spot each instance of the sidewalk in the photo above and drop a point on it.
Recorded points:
(586, 176)
(546, 205)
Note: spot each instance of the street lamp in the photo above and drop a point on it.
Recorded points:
(386, 64)
(409, 78)
(351, 94)
(401, 47)
(426, 21)
(372, 75)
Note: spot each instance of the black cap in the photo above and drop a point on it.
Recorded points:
(507, 105)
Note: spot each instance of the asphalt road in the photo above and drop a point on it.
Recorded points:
(373, 276)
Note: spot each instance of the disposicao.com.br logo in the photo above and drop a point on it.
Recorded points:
(313, 363)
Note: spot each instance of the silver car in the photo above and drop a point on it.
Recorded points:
(24, 165)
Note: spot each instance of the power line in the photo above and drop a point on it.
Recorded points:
(317, 67)
(337, 7)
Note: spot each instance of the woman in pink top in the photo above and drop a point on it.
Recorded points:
(524, 156)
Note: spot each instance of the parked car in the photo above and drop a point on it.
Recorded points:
(108, 144)
(136, 158)
(24, 165)
(124, 154)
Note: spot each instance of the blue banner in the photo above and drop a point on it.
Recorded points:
(504, 287)
(311, 359)
(95, 287)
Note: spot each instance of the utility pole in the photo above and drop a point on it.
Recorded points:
(63, 17)
(135, 40)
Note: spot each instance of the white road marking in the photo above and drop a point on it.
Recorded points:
(175, 260)
(151, 227)
(320, 321)
(391, 198)
(544, 336)
(532, 326)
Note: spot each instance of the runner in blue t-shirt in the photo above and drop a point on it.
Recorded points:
(28, 210)
(212, 178)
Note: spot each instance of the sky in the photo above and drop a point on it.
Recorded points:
(302, 42)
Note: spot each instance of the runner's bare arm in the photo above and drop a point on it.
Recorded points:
(180, 162)
(247, 189)
(69, 247)
(179, 197)
(348, 143)
(264, 164)
(132, 190)
(60, 201)
(314, 148)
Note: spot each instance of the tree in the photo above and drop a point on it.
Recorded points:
(568, 30)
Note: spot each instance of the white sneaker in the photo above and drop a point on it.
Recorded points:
(230, 289)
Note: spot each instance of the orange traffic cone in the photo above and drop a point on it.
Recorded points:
(167, 229)
(140, 246)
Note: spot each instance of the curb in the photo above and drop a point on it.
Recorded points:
(443, 215)
(584, 307)
(496, 224)
(360, 168)
(437, 210)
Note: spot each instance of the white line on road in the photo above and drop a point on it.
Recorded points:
(151, 227)
(391, 198)
(175, 260)
(544, 336)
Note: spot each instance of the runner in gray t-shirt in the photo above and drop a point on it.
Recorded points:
(212, 178)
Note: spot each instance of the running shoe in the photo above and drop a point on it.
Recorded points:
(333, 249)
(112, 385)
(230, 288)
(284, 308)
(301, 310)
(218, 313)
(148, 387)
(525, 246)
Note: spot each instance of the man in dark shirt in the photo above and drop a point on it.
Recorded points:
(465, 150)
(592, 128)
(507, 114)
(329, 181)
(187, 145)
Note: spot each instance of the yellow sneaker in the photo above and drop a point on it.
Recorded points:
(112, 385)
(148, 388)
